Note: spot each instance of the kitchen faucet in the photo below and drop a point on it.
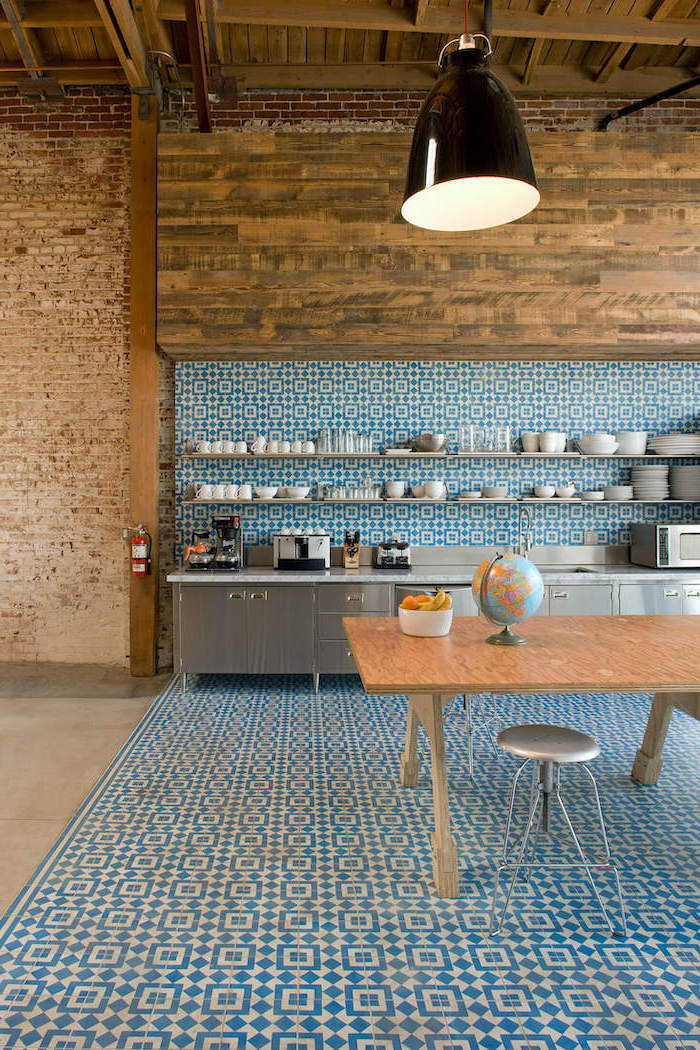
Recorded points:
(524, 544)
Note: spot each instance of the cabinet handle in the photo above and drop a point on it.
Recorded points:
(354, 597)
(560, 594)
(259, 594)
(671, 594)
(349, 653)
(240, 595)
(692, 594)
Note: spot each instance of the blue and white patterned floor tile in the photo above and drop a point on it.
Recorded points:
(248, 875)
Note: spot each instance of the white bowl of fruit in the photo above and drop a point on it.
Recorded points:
(426, 615)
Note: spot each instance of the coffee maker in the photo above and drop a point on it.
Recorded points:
(228, 556)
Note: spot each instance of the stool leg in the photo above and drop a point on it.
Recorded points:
(606, 847)
(584, 861)
(509, 818)
(468, 709)
(531, 816)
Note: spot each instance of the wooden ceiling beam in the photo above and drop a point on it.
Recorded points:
(153, 29)
(25, 39)
(407, 76)
(125, 37)
(618, 54)
(56, 14)
(547, 80)
(536, 48)
(507, 23)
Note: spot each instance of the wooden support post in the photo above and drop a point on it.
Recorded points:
(195, 42)
(144, 425)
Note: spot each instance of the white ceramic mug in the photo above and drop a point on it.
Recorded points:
(204, 446)
(308, 446)
(218, 491)
(217, 446)
(272, 448)
(259, 444)
(530, 440)
(240, 446)
(395, 489)
(418, 491)
(285, 448)
(245, 492)
(204, 492)
(228, 446)
(231, 491)
(549, 441)
(295, 447)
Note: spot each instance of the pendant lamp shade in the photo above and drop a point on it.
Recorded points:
(470, 166)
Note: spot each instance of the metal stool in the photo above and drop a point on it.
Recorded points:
(548, 748)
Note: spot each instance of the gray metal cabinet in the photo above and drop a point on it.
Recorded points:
(646, 599)
(691, 599)
(336, 600)
(580, 599)
(211, 630)
(280, 630)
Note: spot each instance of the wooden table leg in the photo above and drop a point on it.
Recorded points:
(649, 760)
(409, 759)
(445, 871)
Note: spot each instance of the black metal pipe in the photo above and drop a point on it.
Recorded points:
(686, 85)
(488, 18)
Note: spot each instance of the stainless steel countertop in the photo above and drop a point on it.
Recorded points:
(432, 574)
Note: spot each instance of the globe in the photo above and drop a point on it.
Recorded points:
(512, 591)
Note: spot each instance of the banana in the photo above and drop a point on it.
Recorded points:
(438, 601)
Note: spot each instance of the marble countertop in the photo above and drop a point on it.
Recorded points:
(447, 575)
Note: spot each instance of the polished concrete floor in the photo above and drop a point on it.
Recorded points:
(60, 726)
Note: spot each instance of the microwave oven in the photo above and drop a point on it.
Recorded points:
(665, 546)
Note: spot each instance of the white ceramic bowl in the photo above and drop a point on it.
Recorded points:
(544, 491)
(395, 489)
(631, 442)
(593, 447)
(592, 495)
(298, 491)
(618, 492)
(425, 624)
(471, 494)
(418, 491)
(266, 491)
(566, 491)
(434, 489)
(494, 492)
(281, 493)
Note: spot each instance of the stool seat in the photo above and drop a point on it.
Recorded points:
(548, 743)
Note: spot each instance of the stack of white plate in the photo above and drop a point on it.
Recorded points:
(685, 483)
(650, 481)
(675, 444)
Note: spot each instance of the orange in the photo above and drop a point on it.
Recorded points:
(409, 602)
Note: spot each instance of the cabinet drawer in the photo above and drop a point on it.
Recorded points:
(330, 625)
(658, 599)
(589, 599)
(335, 657)
(347, 599)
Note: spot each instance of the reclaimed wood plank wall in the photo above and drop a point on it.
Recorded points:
(290, 245)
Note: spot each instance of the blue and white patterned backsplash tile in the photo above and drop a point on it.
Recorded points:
(393, 400)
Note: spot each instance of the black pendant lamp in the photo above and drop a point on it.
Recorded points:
(470, 166)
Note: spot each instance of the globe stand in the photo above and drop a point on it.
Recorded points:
(506, 637)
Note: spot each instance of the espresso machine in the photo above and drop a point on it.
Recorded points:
(228, 556)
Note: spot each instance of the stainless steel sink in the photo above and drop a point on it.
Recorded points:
(547, 569)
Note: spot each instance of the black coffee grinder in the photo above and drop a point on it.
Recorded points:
(229, 544)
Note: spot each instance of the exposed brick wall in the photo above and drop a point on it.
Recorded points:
(64, 242)
(394, 109)
(64, 296)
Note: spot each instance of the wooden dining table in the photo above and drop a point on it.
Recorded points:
(564, 654)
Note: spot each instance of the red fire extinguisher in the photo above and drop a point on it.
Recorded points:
(141, 552)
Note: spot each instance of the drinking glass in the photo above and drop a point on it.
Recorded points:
(488, 435)
(502, 439)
